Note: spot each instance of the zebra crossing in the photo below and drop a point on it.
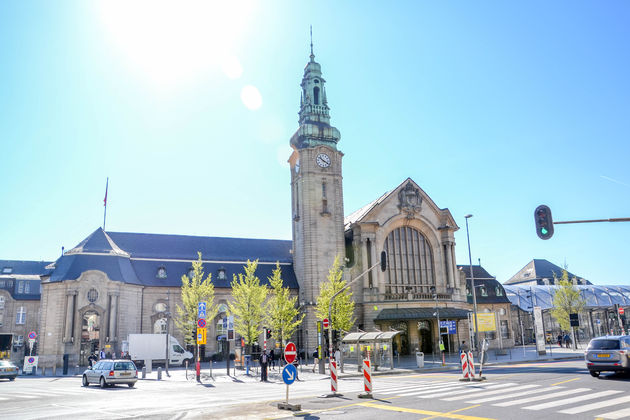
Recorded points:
(531, 397)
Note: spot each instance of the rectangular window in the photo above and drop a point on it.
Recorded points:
(1, 302)
(7, 270)
(2, 283)
(20, 287)
(1, 318)
(27, 287)
(484, 291)
(505, 331)
(20, 316)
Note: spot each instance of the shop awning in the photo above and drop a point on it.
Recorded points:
(364, 337)
(392, 314)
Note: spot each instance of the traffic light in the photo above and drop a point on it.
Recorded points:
(268, 332)
(544, 222)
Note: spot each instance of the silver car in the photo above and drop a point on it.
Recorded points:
(8, 370)
(609, 353)
(111, 372)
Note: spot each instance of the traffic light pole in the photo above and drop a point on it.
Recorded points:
(619, 219)
(332, 299)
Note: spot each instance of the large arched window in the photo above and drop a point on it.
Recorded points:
(316, 95)
(409, 262)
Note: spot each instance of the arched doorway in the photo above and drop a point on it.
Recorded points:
(401, 341)
(90, 336)
(425, 336)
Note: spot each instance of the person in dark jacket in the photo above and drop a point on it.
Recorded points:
(264, 361)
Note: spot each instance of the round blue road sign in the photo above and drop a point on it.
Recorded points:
(289, 374)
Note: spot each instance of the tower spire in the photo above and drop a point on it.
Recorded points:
(312, 55)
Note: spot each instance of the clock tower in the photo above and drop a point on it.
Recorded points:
(316, 194)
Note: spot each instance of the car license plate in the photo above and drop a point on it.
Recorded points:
(603, 355)
(125, 374)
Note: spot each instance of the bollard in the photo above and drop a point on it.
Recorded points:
(77, 370)
(159, 371)
(367, 380)
(144, 372)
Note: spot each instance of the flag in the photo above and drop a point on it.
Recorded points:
(105, 199)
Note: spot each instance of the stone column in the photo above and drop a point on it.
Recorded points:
(69, 330)
(449, 265)
(113, 312)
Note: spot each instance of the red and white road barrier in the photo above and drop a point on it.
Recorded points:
(471, 364)
(333, 376)
(367, 376)
(468, 366)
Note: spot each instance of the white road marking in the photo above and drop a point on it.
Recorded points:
(542, 397)
(619, 414)
(469, 390)
(570, 400)
(594, 406)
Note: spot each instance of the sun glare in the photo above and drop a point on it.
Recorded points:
(174, 42)
(251, 97)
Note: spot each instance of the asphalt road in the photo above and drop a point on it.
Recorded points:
(544, 390)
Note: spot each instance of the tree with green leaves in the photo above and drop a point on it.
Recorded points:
(343, 306)
(283, 315)
(248, 303)
(195, 289)
(566, 300)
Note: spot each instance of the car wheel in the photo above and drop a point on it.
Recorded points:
(84, 381)
(103, 383)
(12, 379)
(594, 374)
(130, 385)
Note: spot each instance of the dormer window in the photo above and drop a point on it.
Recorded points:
(161, 273)
(7, 270)
(221, 274)
(498, 291)
(483, 290)
(468, 292)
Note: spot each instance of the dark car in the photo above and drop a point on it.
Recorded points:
(111, 372)
(8, 370)
(609, 353)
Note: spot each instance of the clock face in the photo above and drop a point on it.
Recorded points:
(323, 160)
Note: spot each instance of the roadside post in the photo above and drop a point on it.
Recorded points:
(484, 348)
(201, 335)
(367, 378)
(289, 374)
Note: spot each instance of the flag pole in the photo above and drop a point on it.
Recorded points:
(105, 203)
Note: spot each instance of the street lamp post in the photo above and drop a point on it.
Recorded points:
(472, 285)
(437, 313)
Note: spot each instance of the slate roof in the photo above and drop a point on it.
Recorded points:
(539, 269)
(34, 268)
(478, 272)
(135, 258)
(22, 271)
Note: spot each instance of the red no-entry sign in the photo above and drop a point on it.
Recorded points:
(290, 353)
(621, 311)
(326, 323)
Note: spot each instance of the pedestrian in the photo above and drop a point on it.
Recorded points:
(463, 348)
(272, 359)
(560, 339)
(102, 355)
(91, 359)
(264, 360)
(296, 363)
(567, 340)
(338, 357)
(315, 359)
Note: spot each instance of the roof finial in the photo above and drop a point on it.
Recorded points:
(312, 55)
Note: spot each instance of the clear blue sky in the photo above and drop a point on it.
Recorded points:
(491, 107)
